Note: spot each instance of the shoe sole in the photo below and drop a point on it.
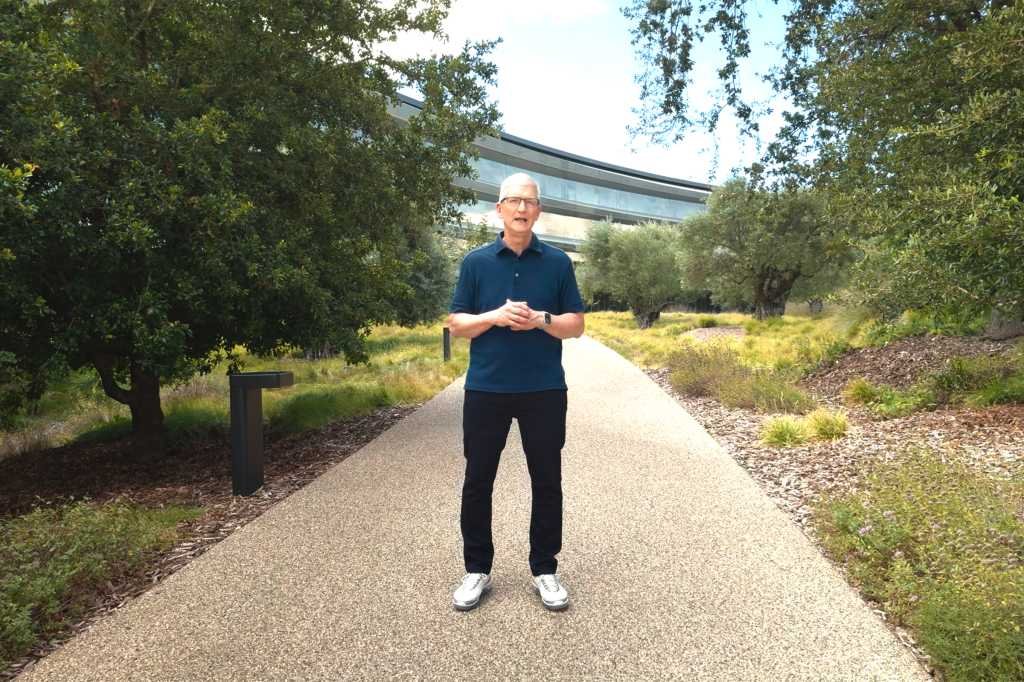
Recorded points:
(551, 607)
(469, 607)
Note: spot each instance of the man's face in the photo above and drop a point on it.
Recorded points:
(519, 216)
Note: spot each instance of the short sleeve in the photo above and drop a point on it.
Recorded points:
(569, 300)
(465, 290)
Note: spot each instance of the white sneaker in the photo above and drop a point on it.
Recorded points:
(552, 592)
(468, 594)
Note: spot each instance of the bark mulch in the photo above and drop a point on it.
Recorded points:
(197, 475)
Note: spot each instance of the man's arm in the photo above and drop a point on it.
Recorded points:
(564, 326)
(470, 326)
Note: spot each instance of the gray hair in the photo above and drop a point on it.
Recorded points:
(516, 180)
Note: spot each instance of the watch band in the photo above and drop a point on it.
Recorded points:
(547, 319)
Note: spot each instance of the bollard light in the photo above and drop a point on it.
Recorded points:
(247, 426)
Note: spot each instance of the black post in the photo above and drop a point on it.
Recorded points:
(447, 343)
(247, 426)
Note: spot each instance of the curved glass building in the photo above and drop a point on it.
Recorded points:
(576, 191)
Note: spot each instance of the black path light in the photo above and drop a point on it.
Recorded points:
(247, 426)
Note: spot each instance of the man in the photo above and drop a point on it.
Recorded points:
(516, 299)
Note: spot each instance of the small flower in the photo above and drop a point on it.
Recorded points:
(889, 515)
(864, 530)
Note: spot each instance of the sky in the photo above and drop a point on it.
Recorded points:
(566, 79)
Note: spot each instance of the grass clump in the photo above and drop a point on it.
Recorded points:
(827, 425)
(715, 370)
(53, 561)
(860, 391)
(788, 430)
(318, 406)
(940, 545)
(784, 431)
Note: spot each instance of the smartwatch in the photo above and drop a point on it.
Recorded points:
(547, 319)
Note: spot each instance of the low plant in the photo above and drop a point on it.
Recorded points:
(784, 431)
(699, 370)
(999, 392)
(773, 392)
(915, 323)
(54, 561)
(715, 370)
(888, 402)
(788, 430)
(320, 405)
(965, 375)
(707, 322)
(860, 391)
(940, 545)
(826, 424)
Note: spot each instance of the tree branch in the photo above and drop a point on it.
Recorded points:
(104, 364)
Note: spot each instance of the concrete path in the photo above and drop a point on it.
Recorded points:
(679, 568)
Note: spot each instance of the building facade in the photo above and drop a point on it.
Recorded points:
(576, 191)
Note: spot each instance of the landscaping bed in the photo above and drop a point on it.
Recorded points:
(989, 440)
(198, 475)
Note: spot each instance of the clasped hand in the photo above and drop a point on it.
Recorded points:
(517, 316)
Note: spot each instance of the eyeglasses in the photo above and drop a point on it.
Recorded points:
(513, 202)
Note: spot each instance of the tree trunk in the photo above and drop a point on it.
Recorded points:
(644, 319)
(771, 291)
(143, 399)
(147, 415)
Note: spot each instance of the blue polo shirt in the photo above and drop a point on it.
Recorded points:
(506, 361)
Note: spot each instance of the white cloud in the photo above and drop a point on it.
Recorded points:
(474, 20)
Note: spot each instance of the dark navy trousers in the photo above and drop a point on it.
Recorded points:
(486, 420)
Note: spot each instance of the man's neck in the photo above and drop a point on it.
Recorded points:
(517, 243)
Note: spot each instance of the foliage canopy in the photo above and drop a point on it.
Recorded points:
(178, 178)
(911, 115)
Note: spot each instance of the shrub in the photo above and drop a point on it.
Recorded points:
(784, 431)
(826, 425)
(706, 322)
(699, 370)
(939, 544)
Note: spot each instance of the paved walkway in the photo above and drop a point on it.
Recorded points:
(679, 567)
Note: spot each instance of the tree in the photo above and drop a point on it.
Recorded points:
(757, 245)
(178, 178)
(911, 115)
(593, 274)
(634, 265)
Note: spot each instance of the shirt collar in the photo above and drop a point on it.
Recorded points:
(499, 244)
